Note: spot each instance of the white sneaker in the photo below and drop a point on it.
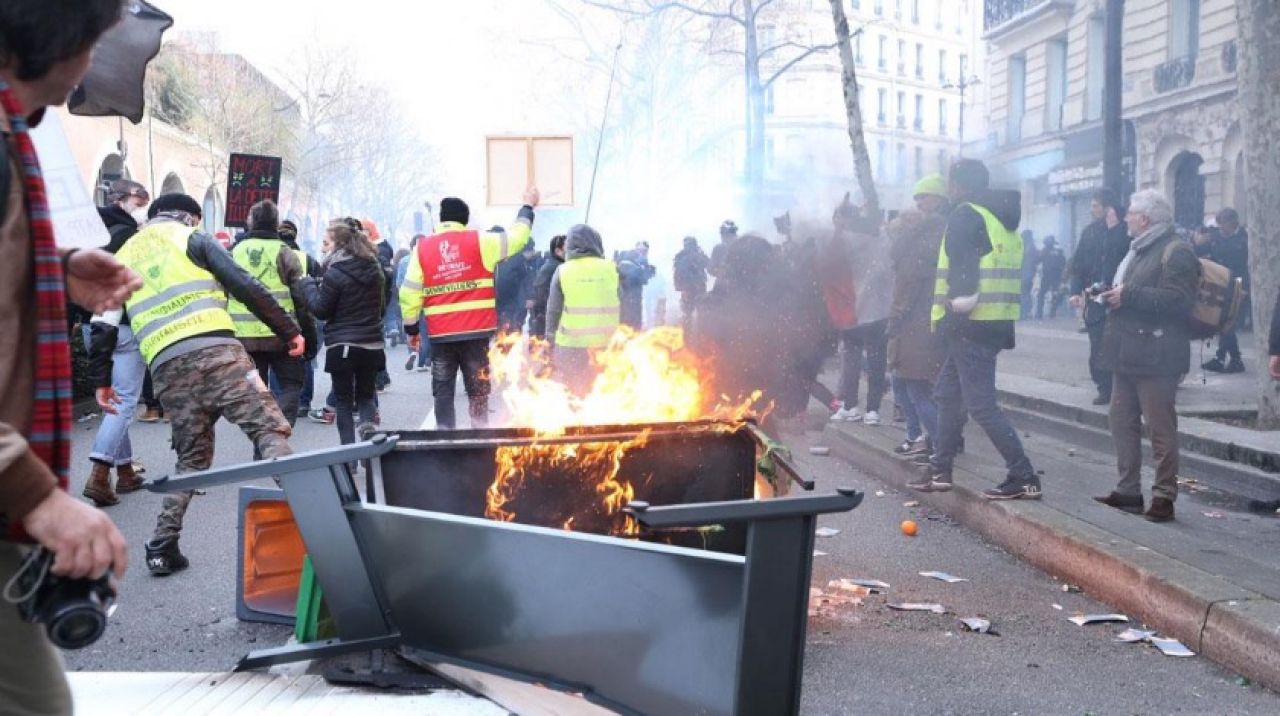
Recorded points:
(852, 415)
(871, 418)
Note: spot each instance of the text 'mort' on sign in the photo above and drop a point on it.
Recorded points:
(250, 179)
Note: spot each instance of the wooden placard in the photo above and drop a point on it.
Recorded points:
(514, 163)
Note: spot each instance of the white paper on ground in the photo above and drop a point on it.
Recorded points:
(918, 607)
(976, 624)
(1171, 647)
(873, 584)
(1131, 635)
(1082, 619)
(826, 532)
(76, 224)
(944, 577)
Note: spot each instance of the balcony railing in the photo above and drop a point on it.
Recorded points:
(998, 12)
(1175, 74)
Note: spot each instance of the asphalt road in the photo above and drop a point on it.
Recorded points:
(861, 659)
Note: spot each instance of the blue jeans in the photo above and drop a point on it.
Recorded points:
(916, 398)
(968, 382)
(424, 352)
(111, 445)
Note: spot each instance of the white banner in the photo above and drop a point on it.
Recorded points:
(76, 223)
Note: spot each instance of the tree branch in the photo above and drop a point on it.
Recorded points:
(795, 61)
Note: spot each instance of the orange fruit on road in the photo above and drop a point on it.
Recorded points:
(909, 528)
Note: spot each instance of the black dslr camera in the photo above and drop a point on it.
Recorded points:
(1095, 291)
(74, 611)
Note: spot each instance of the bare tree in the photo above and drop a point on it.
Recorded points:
(857, 142)
(764, 59)
(1259, 74)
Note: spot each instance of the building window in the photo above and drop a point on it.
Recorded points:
(883, 61)
(1095, 68)
(902, 110)
(882, 97)
(918, 123)
(1184, 29)
(882, 156)
(768, 100)
(919, 162)
(942, 66)
(1055, 85)
(915, 12)
(900, 162)
(1017, 98)
(879, 7)
(919, 61)
(902, 57)
(937, 23)
(857, 49)
(942, 117)
(897, 9)
(943, 169)
(964, 67)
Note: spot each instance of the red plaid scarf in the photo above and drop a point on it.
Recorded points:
(51, 414)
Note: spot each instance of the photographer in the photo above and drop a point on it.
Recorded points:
(1103, 245)
(45, 49)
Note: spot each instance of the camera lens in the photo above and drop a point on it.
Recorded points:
(77, 627)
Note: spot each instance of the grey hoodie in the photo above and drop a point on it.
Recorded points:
(581, 241)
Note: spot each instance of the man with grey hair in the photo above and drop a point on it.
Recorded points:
(1147, 347)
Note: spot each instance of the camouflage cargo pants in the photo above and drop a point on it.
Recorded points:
(198, 388)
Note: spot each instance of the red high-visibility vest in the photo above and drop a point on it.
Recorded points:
(458, 295)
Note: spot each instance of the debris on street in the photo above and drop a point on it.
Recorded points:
(1213, 514)
(978, 625)
(819, 450)
(911, 503)
(909, 528)
(1132, 635)
(826, 532)
(918, 607)
(1070, 589)
(875, 585)
(1082, 619)
(943, 577)
(1170, 647)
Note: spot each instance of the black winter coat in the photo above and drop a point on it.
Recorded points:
(1095, 260)
(540, 294)
(351, 298)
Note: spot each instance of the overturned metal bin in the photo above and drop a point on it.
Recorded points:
(704, 613)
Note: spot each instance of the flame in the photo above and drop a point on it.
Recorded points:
(645, 377)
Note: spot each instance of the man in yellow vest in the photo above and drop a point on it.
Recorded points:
(265, 255)
(583, 310)
(450, 280)
(977, 296)
(201, 371)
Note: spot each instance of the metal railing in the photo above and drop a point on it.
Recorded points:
(998, 12)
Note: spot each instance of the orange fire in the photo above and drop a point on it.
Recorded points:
(645, 377)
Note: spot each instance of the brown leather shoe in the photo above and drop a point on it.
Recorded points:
(98, 488)
(1161, 510)
(127, 479)
(1129, 503)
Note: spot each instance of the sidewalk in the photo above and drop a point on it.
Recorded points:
(1048, 374)
(1210, 580)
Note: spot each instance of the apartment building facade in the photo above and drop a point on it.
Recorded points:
(1046, 66)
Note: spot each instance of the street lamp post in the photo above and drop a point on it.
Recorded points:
(963, 84)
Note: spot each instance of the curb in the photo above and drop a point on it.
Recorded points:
(1194, 434)
(1221, 621)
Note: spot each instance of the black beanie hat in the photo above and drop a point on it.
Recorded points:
(454, 209)
(174, 202)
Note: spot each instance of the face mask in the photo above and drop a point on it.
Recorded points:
(139, 215)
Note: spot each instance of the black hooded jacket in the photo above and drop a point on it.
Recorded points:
(351, 298)
(966, 243)
(120, 225)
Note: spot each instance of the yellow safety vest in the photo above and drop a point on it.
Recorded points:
(178, 299)
(999, 275)
(590, 317)
(260, 258)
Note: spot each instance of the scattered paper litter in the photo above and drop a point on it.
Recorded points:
(845, 585)
(1057, 606)
(977, 625)
(911, 503)
(1170, 647)
(1070, 589)
(824, 602)
(1131, 635)
(879, 493)
(875, 585)
(819, 450)
(86, 417)
(944, 577)
(918, 607)
(1082, 619)
(826, 532)
(1213, 514)
(819, 553)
